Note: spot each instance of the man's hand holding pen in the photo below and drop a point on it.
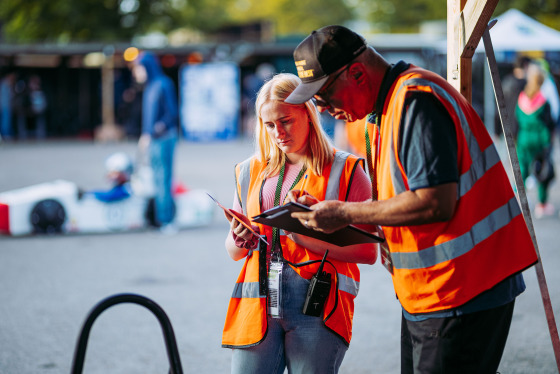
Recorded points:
(323, 215)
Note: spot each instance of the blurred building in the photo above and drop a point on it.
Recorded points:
(71, 74)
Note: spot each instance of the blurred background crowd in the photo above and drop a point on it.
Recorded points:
(65, 66)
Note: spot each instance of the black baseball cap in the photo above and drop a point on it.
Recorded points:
(320, 54)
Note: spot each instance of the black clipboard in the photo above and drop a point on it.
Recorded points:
(280, 217)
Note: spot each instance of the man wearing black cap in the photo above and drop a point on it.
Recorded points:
(456, 241)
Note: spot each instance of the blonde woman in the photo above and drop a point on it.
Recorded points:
(265, 324)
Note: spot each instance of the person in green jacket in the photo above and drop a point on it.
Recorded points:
(534, 138)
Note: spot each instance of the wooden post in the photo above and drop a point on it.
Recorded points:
(508, 135)
(466, 22)
(108, 131)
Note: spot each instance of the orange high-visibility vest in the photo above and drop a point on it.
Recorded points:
(246, 323)
(443, 265)
(356, 135)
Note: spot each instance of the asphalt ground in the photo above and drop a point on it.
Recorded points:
(48, 284)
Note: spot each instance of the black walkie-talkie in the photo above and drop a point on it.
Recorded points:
(318, 291)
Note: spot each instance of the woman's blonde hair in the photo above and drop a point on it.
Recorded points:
(319, 150)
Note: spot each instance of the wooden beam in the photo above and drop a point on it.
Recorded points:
(476, 14)
(457, 68)
(466, 22)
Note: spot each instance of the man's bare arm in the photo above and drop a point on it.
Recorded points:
(425, 205)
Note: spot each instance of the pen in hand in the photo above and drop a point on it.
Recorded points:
(302, 187)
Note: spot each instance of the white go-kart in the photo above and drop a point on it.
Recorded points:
(62, 206)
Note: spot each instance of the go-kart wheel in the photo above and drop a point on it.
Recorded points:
(47, 217)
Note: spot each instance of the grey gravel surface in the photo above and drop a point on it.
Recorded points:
(48, 284)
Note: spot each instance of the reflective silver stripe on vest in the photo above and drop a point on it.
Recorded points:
(333, 185)
(481, 161)
(251, 289)
(396, 175)
(348, 284)
(454, 248)
(246, 290)
(480, 166)
(244, 179)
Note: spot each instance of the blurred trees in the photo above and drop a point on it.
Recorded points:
(293, 16)
(399, 16)
(83, 20)
(406, 15)
(121, 20)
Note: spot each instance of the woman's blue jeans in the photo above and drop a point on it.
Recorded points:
(299, 342)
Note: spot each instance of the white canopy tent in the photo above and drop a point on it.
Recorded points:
(515, 31)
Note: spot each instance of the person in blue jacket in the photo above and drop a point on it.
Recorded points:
(159, 132)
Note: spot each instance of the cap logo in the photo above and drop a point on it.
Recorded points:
(302, 73)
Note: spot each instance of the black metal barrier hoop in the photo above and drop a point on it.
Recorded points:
(168, 334)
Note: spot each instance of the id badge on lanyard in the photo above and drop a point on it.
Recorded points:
(275, 289)
(275, 269)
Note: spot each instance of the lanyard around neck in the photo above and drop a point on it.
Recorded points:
(275, 230)
(370, 160)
